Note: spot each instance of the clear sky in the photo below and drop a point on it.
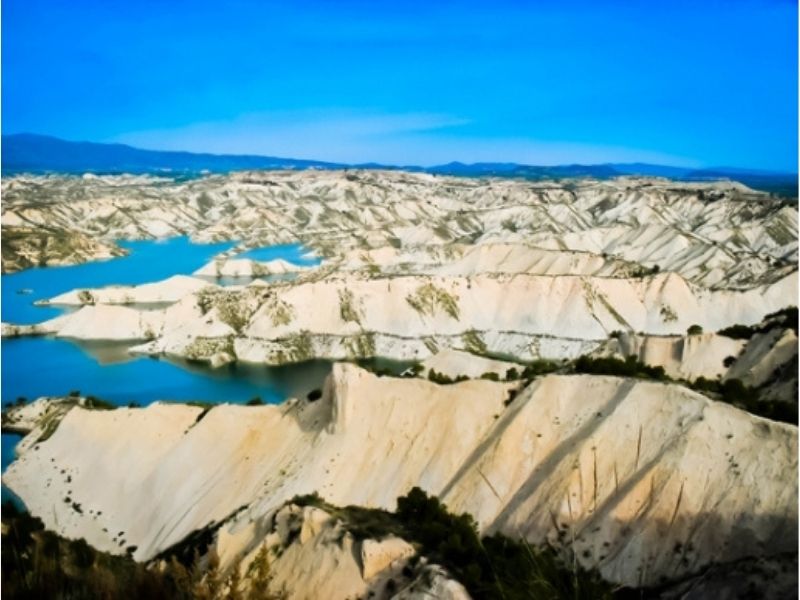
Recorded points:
(700, 83)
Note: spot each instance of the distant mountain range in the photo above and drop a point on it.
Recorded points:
(31, 153)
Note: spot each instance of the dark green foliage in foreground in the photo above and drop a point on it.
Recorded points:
(39, 565)
(630, 367)
(492, 567)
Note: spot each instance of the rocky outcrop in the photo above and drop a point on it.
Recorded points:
(167, 291)
(714, 234)
(245, 267)
(683, 356)
(312, 553)
(646, 481)
(24, 246)
(411, 317)
(455, 363)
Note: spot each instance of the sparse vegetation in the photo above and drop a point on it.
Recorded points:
(38, 564)
(361, 346)
(473, 342)
(202, 348)
(630, 367)
(429, 298)
(492, 567)
(785, 318)
(668, 314)
(539, 367)
(443, 379)
(733, 391)
(347, 307)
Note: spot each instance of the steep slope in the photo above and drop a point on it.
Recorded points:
(648, 481)
(407, 317)
(714, 234)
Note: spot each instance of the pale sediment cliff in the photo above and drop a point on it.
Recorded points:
(407, 317)
(715, 234)
(626, 471)
(24, 246)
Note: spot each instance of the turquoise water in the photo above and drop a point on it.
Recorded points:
(148, 261)
(37, 366)
(40, 366)
(294, 253)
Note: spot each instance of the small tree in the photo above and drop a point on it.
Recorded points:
(695, 330)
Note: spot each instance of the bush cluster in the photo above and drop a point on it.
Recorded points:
(733, 391)
(786, 318)
(630, 367)
(493, 566)
(37, 563)
(443, 379)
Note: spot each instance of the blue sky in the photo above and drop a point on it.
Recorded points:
(700, 83)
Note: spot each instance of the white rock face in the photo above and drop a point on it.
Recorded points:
(527, 316)
(683, 357)
(763, 354)
(245, 267)
(714, 234)
(628, 469)
(313, 554)
(646, 481)
(167, 291)
(377, 555)
(454, 363)
(415, 264)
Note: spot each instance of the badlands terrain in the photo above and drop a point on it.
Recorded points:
(595, 367)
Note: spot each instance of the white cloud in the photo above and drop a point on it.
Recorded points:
(354, 137)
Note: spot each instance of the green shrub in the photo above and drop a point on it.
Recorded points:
(738, 332)
(39, 564)
(255, 401)
(95, 403)
(491, 376)
(736, 393)
(539, 367)
(784, 318)
(630, 367)
(443, 379)
(494, 566)
(694, 330)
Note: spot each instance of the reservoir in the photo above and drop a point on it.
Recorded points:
(40, 366)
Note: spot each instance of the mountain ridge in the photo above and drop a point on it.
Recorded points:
(34, 153)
